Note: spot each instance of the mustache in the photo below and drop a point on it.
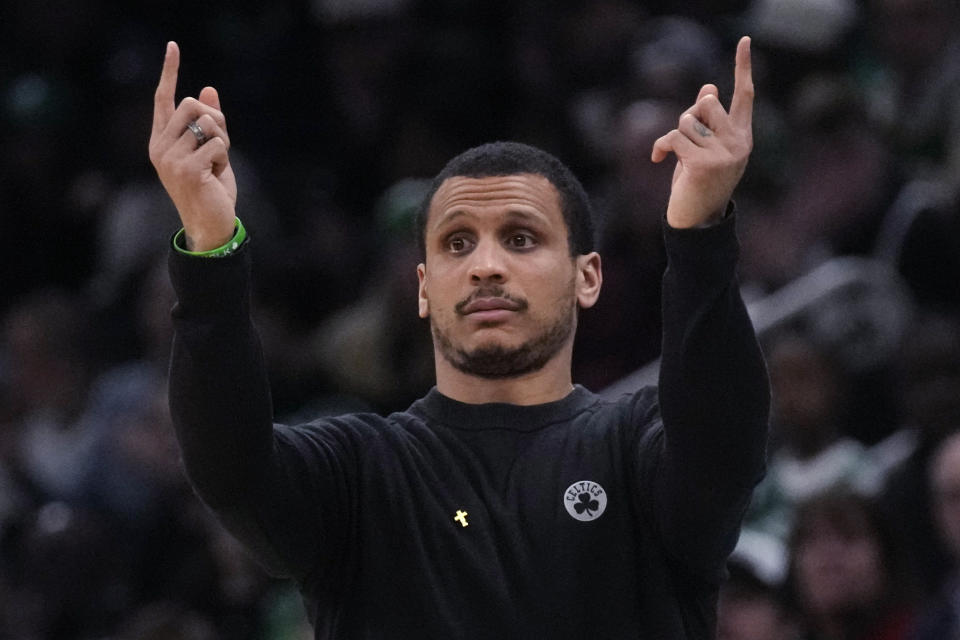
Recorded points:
(490, 291)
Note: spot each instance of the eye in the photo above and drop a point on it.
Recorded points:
(458, 244)
(521, 240)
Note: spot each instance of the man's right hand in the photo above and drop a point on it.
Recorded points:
(197, 176)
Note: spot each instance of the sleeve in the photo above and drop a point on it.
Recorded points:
(262, 481)
(713, 398)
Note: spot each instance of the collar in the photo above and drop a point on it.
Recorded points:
(436, 407)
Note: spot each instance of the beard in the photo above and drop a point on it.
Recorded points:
(496, 361)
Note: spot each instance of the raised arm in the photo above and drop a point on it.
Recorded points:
(260, 480)
(713, 389)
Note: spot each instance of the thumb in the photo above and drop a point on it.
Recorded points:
(210, 97)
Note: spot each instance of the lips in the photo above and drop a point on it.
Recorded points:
(479, 305)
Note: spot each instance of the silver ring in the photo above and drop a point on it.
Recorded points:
(197, 132)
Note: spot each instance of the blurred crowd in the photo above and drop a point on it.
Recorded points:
(339, 110)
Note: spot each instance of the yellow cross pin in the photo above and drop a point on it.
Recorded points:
(461, 517)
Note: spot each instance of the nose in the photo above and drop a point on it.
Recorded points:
(487, 264)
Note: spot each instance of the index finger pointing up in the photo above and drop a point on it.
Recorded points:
(741, 106)
(164, 99)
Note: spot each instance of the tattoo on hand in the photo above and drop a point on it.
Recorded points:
(702, 129)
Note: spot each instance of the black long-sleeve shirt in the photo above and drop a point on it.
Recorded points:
(579, 518)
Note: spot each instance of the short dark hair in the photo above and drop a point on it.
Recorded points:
(513, 158)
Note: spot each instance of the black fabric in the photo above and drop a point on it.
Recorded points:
(361, 509)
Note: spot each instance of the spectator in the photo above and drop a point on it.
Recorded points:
(44, 339)
(920, 237)
(752, 608)
(369, 349)
(810, 451)
(842, 179)
(929, 388)
(846, 572)
(912, 91)
(941, 617)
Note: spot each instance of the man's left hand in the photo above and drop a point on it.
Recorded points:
(712, 148)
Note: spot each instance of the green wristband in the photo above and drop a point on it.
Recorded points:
(239, 235)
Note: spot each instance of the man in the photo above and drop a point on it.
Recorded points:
(507, 503)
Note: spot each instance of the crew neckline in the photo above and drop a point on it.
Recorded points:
(501, 415)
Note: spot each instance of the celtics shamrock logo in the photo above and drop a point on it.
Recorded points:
(585, 500)
(586, 504)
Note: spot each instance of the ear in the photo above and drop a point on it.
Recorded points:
(422, 302)
(589, 279)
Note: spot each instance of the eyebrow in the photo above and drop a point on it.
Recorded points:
(526, 215)
(446, 218)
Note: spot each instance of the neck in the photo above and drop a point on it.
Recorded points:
(548, 384)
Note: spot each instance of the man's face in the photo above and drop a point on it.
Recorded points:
(499, 285)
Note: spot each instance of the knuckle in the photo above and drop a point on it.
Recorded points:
(159, 158)
(212, 119)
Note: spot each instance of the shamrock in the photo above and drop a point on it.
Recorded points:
(586, 504)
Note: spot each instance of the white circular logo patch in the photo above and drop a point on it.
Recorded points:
(585, 500)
